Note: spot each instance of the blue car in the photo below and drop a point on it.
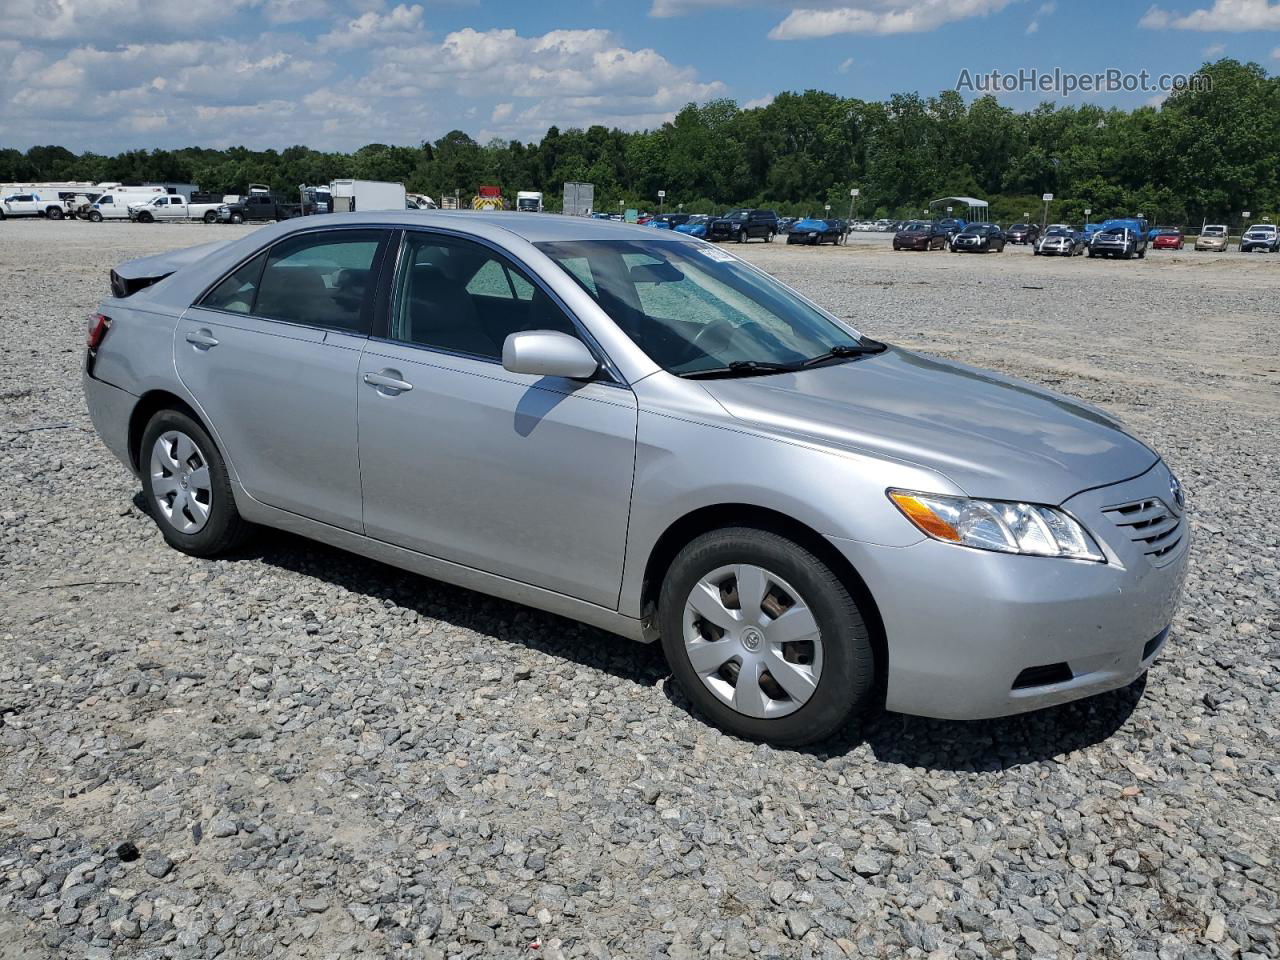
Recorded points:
(695, 226)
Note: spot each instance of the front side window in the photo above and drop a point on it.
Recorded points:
(693, 308)
(460, 296)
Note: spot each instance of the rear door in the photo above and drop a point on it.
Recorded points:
(271, 354)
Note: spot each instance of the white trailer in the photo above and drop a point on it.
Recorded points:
(365, 195)
(529, 201)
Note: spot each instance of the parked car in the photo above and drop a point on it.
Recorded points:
(115, 204)
(257, 207)
(172, 207)
(743, 225)
(34, 203)
(978, 238)
(784, 223)
(810, 521)
(1157, 231)
(1137, 225)
(669, 221)
(1168, 238)
(696, 225)
(1060, 242)
(1118, 242)
(1022, 233)
(1212, 236)
(1261, 236)
(814, 231)
(920, 235)
(951, 226)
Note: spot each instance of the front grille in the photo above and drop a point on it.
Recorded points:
(1150, 524)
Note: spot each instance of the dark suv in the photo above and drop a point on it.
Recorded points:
(742, 225)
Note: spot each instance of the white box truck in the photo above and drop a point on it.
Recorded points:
(529, 201)
(365, 195)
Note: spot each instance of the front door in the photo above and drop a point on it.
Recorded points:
(522, 476)
(271, 357)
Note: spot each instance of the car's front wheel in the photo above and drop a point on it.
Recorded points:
(210, 216)
(764, 638)
(188, 491)
(237, 218)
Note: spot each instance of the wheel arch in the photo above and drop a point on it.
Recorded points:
(684, 530)
(148, 405)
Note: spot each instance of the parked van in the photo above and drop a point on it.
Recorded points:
(114, 205)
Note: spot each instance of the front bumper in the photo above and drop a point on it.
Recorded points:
(1055, 251)
(1210, 245)
(966, 629)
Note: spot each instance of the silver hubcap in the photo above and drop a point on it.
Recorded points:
(180, 482)
(753, 641)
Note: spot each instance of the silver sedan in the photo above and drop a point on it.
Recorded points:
(641, 431)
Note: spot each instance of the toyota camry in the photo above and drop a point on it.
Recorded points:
(642, 431)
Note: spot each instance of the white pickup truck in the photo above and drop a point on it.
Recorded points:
(34, 203)
(172, 207)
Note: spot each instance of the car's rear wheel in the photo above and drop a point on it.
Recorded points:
(54, 213)
(210, 216)
(95, 216)
(187, 488)
(764, 638)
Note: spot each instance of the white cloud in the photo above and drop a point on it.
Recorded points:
(845, 65)
(275, 89)
(1233, 16)
(401, 24)
(880, 17)
(42, 21)
(1214, 50)
(758, 102)
(1033, 27)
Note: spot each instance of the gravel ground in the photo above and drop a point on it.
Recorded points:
(298, 753)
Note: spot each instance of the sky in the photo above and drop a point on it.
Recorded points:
(109, 75)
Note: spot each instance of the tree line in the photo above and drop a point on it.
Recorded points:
(1203, 154)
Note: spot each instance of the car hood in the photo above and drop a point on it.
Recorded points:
(993, 436)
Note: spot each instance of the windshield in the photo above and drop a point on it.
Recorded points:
(1214, 231)
(692, 307)
(737, 214)
(914, 227)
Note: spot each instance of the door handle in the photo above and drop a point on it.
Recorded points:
(388, 381)
(202, 339)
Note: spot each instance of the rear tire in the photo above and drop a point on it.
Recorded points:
(95, 216)
(187, 488)
(830, 667)
(210, 216)
(54, 213)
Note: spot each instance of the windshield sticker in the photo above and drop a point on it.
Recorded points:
(715, 253)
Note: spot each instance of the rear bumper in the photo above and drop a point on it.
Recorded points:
(110, 409)
(974, 634)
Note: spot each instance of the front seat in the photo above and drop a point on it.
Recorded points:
(441, 313)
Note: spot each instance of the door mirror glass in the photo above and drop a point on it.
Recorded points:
(548, 353)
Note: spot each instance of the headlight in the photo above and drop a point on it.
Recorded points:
(997, 525)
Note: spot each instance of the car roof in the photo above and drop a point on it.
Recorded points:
(533, 227)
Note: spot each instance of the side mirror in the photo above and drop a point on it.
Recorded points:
(548, 353)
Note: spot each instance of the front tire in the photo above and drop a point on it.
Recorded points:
(742, 236)
(95, 216)
(187, 488)
(145, 218)
(764, 639)
(210, 216)
(237, 218)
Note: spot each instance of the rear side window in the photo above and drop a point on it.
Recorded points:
(321, 280)
(236, 293)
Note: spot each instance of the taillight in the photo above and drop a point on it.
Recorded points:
(98, 327)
